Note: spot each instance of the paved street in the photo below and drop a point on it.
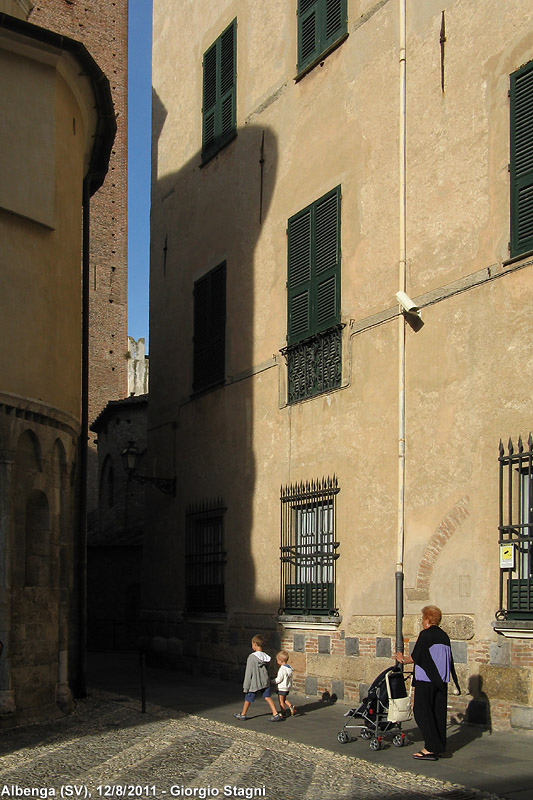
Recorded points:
(108, 748)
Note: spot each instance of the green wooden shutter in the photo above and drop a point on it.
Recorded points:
(219, 92)
(522, 160)
(308, 32)
(327, 261)
(313, 286)
(210, 97)
(320, 24)
(209, 329)
(334, 21)
(299, 276)
(227, 80)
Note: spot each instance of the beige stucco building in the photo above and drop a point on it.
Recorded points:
(56, 134)
(323, 438)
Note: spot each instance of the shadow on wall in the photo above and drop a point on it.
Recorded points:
(475, 721)
(205, 216)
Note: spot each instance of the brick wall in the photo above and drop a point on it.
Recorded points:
(102, 26)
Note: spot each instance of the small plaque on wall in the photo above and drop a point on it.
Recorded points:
(507, 556)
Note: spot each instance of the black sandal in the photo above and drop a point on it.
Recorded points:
(425, 756)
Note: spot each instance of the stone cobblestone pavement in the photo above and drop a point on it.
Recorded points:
(108, 748)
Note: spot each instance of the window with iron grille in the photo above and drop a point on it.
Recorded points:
(219, 92)
(309, 548)
(205, 557)
(313, 351)
(516, 530)
(521, 168)
(322, 25)
(209, 346)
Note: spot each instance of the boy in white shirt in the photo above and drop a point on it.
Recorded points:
(284, 682)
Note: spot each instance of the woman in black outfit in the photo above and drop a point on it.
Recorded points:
(433, 660)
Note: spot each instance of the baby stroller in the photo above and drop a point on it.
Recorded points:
(386, 706)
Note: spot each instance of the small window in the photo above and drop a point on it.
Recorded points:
(219, 92)
(516, 530)
(313, 351)
(322, 24)
(309, 548)
(205, 558)
(209, 346)
(521, 112)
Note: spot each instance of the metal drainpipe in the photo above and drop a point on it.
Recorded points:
(83, 448)
(401, 336)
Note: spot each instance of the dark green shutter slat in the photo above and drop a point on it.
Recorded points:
(226, 117)
(321, 23)
(524, 123)
(525, 212)
(219, 92)
(313, 286)
(309, 37)
(299, 316)
(333, 19)
(227, 66)
(209, 130)
(209, 328)
(521, 122)
(299, 276)
(218, 323)
(300, 249)
(327, 261)
(210, 78)
(201, 331)
(326, 303)
(327, 234)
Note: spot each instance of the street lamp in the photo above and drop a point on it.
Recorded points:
(130, 459)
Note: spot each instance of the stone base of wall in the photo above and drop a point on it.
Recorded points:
(342, 663)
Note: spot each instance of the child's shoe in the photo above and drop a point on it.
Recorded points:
(240, 716)
(276, 718)
(293, 711)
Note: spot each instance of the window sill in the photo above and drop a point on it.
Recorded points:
(321, 58)
(210, 155)
(313, 623)
(514, 628)
(205, 389)
(521, 256)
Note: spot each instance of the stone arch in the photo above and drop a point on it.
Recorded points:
(59, 458)
(28, 451)
(446, 528)
(37, 540)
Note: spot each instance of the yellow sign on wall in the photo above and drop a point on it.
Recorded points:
(507, 556)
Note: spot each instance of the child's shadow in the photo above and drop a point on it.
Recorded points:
(326, 700)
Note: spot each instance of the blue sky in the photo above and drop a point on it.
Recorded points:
(139, 133)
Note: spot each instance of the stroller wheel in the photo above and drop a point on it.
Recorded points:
(343, 737)
(375, 744)
(366, 734)
(398, 740)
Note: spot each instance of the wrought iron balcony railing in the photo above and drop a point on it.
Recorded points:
(315, 365)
